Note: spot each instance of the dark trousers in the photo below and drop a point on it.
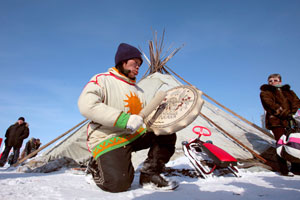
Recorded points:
(295, 167)
(16, 153)
(114, 172)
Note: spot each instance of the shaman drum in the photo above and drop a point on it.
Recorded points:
(179, 108)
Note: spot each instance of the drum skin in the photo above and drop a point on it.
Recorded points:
(180, 108)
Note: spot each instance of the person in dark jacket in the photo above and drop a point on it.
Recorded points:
(15, 135)
(280, 104)
(32, 145)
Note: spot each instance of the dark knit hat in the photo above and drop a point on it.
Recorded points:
(126, 52)
(22, 118)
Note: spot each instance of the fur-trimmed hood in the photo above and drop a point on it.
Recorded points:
(267, 87)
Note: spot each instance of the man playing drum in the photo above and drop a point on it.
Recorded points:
(112, 102)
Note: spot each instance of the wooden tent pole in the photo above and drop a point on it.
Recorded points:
(236, 140)
(235, 114)
(49, 143)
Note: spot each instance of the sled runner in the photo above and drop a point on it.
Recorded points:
(208, 159)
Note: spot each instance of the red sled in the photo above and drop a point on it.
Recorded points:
(208, 159)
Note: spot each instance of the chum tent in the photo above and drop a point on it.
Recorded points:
(239, 138)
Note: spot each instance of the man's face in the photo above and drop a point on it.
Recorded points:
(274, 81)
(20, 121)
(132, 65)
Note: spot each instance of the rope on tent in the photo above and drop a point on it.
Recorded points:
(49, 143)
(236, 140)
(232, 112)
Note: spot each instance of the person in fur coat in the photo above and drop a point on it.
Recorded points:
(280, 104)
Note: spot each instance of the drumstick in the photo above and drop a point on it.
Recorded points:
(159, 97)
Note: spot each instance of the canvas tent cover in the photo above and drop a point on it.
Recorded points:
(75, 147)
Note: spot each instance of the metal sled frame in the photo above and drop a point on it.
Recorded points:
(205, 160)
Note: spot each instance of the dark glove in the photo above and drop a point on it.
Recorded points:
(284, 113)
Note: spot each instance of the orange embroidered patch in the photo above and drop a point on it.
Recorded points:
(133, 103)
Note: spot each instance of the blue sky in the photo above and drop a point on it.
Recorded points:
(50, 49)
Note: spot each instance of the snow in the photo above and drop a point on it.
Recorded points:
(70, 184)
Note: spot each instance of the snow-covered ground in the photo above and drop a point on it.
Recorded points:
(69, 184)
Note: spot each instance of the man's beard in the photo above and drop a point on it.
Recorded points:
(125, 72)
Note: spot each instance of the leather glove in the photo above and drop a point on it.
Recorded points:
(284, 113)
(134, 123)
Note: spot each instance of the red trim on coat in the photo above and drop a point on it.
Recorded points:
(121, 79)
(110, 74)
